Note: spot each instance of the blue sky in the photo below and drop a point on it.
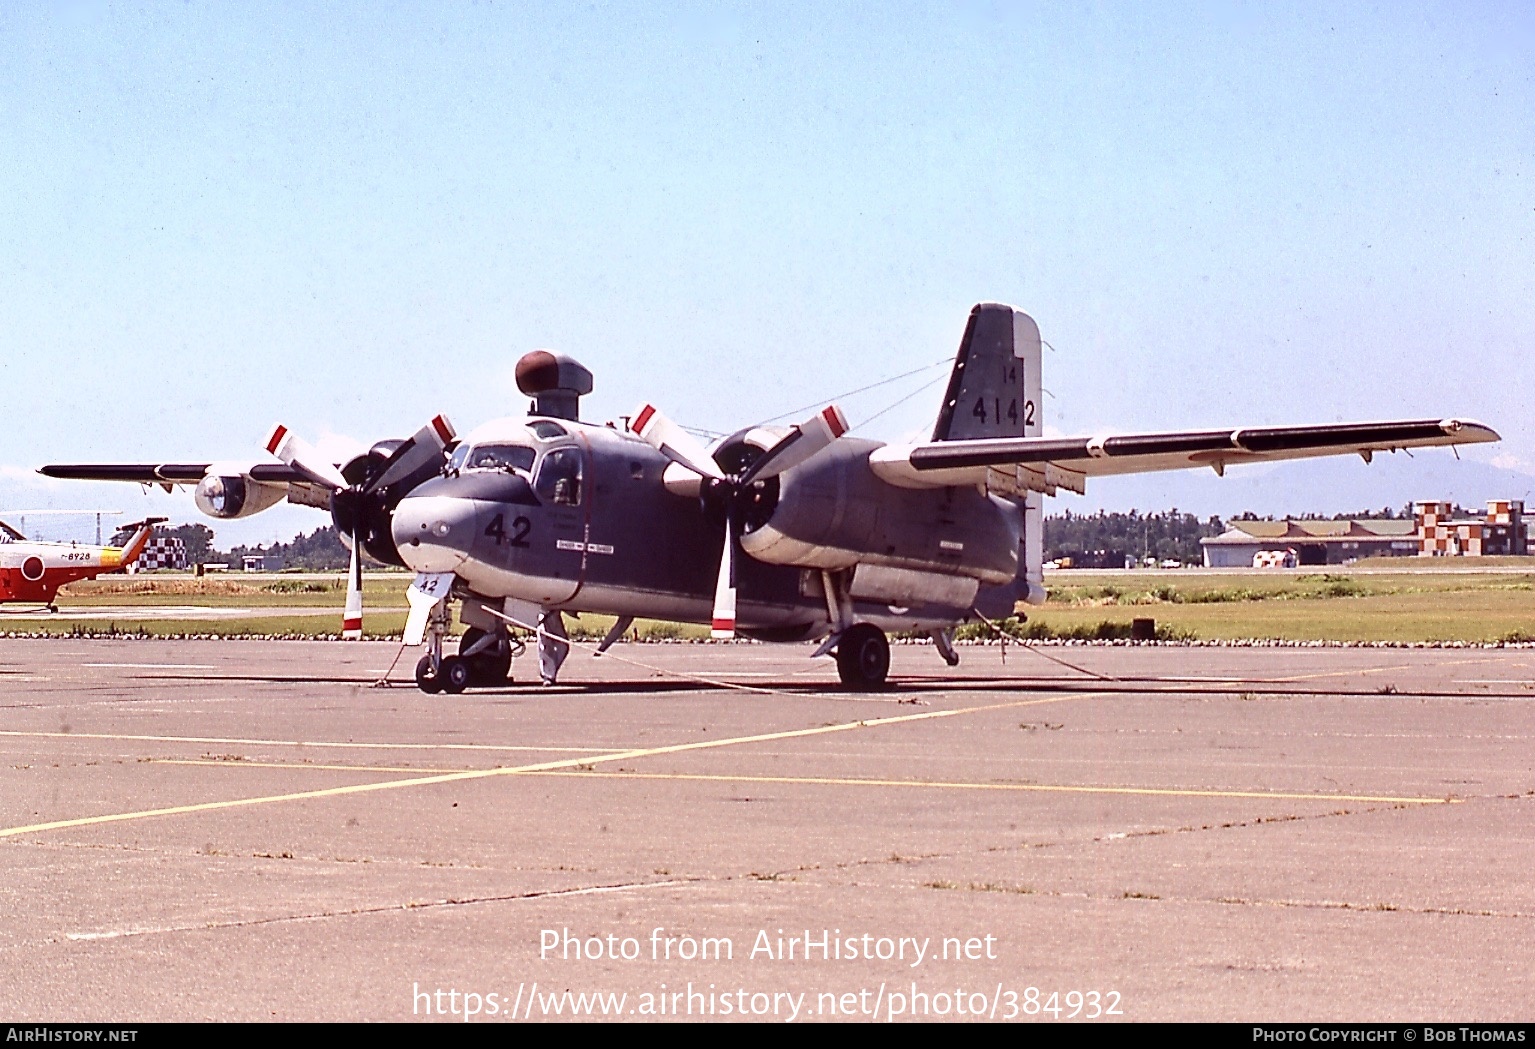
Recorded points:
(352, 217)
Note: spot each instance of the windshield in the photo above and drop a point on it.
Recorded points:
(9, 534)
(498, 456)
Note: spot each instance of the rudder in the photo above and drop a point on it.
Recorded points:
(994, 388)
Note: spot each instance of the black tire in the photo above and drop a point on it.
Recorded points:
(863, 658)
(455, 675)
(490, 667)
(426, 680)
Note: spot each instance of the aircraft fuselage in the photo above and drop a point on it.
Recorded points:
(578, 517)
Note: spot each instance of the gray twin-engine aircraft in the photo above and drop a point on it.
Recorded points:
(844, 539)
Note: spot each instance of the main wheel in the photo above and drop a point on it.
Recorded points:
(455, 675)
(863, 658)
(427, 680)
(490, 666)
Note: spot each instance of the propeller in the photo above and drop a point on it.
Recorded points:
(799, 445)
(360, 508)
(351, 619)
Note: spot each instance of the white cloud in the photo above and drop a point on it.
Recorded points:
(26, 475)
(1507, 461)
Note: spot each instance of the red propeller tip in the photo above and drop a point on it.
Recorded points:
(834, 420)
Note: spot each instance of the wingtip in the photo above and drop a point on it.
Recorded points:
(1470, 431)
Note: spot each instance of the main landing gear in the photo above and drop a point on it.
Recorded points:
(863, 658)
(484, 660)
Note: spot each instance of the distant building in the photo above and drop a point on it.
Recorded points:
(1501, 530)
(1313, 542)
(1434, 531)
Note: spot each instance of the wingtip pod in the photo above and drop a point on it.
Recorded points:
(1469, 431)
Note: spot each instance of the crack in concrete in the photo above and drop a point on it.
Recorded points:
(409, 905)
(1378, 907)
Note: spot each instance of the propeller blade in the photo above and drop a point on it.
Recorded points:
(422, 449)
(300, 454)
(724, 625)
(799, 444)
(673, 441)
(351, 622)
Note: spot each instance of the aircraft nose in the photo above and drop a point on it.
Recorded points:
(434, 533)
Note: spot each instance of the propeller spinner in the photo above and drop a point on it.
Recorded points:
(799, 445)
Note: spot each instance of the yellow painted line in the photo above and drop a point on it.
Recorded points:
(1061, 788)
(546, 766)
(311, 743)
(242, 763)
(854, 781)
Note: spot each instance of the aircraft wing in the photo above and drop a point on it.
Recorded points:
(1066, 461)
(164, 473)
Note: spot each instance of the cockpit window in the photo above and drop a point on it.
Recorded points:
(9, 534)
(545, 430)
(559, 477)
(493, 457)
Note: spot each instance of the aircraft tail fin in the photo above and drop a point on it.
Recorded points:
(994, 391)
(994, 388)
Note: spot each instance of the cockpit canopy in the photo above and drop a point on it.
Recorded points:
(10, 535)
(558, 475)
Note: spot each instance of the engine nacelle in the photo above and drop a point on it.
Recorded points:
(227, 491)
(833, 512)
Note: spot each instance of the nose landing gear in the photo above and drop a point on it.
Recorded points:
(484, 660)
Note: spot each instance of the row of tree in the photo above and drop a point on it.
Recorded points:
(1104, 540)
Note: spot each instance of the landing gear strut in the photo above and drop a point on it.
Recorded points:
(863, 658)
(489, 655)
(432, 669)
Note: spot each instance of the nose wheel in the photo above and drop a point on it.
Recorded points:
(428, 679)
(863, 658)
